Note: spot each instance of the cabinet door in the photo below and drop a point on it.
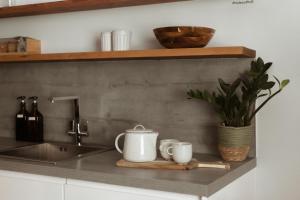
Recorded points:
(241, 189)
(79, 190)
(21, 186)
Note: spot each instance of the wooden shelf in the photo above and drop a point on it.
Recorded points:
(72, 5)
(153, 54)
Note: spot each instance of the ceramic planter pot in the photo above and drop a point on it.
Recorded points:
(234, 142)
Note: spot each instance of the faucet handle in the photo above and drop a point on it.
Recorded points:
(85, 129)
(76, 128)
(72, 131)
(72, 125)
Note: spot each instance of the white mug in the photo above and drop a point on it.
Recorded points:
(105, 41)
(121, 40)
(182, 152)
(164, 144)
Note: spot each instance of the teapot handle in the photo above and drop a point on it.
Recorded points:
(117, 142)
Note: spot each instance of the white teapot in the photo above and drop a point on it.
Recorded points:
(139, 144)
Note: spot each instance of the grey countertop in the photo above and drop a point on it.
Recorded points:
(101, 168)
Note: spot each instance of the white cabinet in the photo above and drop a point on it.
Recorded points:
(241, 189)
(78, 190)
(21, 186)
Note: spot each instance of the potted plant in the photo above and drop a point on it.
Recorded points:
(235, 104)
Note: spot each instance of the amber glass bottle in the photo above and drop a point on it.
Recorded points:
(21, 121)
(35, 122)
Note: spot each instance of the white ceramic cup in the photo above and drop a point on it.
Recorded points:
(121, 40)
(181, 152)
(105, 41)
(163, 146)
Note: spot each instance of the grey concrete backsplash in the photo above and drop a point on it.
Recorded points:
(116, 95)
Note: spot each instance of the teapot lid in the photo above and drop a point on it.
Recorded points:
(139, 129)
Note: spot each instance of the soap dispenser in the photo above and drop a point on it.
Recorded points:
(35, 122)
(21, 121)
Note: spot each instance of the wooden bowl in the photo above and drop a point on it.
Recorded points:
(184, 36)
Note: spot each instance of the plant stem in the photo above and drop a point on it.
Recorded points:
(262, 105)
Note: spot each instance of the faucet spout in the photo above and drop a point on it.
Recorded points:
(54, 99)
(76, 121)
(66, 98)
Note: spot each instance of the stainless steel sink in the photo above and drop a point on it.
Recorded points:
(51, 152)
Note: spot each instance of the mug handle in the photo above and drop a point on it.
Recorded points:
(117, 143)
(168, 151)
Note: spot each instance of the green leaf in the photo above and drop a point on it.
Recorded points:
(263, 80)
(253, 66)
(277, 80)
(190, 94)
(221, 92)
(265, 77)
(284, 83)
(245, 80)
(268, 85)
(267, 66)
(224, 86)
(270, 92)
(206, 95)
(261, 95)
(235, 85)
(260, 63)
(198, 93)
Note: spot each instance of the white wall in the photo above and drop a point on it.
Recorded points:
(271, 27)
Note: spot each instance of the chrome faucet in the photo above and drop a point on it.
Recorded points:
(75, 129)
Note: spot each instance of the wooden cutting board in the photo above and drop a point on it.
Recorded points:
(162, 164)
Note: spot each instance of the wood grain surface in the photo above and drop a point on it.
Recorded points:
(162, 164)
(152, 54)
(72, 5)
